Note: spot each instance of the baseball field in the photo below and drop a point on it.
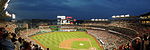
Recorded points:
(67, 41)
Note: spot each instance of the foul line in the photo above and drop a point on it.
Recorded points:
(95, 40)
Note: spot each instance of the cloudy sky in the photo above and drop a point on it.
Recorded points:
(80, 9)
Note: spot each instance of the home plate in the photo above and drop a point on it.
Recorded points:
(81, 44)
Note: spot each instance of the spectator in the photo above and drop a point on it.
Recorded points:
(33, 47)
(137, 44)
(15, 41)
(1, 31)
(146, 41)
(36, 47)
(26, 46)
(6, 43)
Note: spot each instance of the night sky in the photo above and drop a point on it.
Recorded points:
(79, 9)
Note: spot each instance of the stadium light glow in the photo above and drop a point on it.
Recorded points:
(113, 16)
(148, 16)
(8, 1)
(6, 5)
(7, 14)
(122, 16)
(127, 15)
(96, 19)
(117, 16)
(92, 19)
(100, 19)
(103, 19)
(13, 16)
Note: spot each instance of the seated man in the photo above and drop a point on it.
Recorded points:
(6, 43)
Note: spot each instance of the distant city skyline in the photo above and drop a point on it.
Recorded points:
(79, 9)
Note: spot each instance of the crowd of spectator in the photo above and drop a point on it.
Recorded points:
(139, 28)
(124, 31)
(9, 40)
(123, 24)
(141, 42)
(129, 32)
(139, 33)
(108, 40)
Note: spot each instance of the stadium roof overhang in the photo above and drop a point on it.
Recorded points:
(146, 14)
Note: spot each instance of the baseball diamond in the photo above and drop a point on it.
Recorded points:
(67, 41)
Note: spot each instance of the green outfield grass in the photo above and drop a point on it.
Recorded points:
(52, 40)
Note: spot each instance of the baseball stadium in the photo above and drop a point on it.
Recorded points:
(74, 25)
